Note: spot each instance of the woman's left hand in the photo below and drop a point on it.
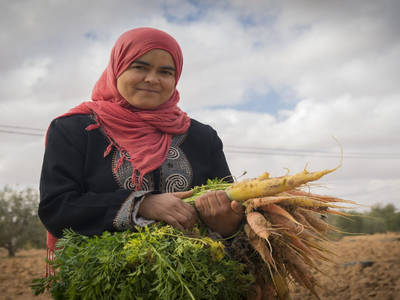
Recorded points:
(219, 213)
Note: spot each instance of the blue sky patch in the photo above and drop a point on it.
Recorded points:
(270, 102)
(251, 20)
(200, 10)
(91, 35)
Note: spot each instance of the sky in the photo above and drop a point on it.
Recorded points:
(286, 84)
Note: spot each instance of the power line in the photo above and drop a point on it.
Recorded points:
(313, 154)
(263, 149)
(21, 132)
(21, 127)
(249, 150)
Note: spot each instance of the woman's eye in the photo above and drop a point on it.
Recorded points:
(166, 72)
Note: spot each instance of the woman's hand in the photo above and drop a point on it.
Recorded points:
(169, 208)
(219, 213)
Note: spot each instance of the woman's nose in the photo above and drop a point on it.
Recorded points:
(151, 77)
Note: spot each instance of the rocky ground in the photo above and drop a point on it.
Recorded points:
(367, 267)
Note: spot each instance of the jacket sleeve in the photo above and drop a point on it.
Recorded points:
(64, 200)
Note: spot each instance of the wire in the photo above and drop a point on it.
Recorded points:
(21, 127)
(252, 148)
(21, 133)
(249, 150)
(312, 154)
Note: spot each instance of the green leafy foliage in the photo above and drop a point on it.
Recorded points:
(155, 262)
(19, 224)
(212, 184)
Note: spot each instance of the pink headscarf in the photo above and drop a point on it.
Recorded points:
(142, 136)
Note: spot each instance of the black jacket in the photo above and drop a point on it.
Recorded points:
(79, 188)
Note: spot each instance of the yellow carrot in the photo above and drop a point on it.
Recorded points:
(300, 218)
(276, 209)
(284, 223)
(259, 245)
(262, 186)
(322, 198)
(317, 223)
(254, 203)
(263, 176)
(305, 201)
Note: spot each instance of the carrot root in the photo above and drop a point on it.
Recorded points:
(258, 224)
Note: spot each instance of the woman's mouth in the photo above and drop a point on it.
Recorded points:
(147, 90)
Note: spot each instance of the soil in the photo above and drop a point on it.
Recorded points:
(16, 273)
(367, 267)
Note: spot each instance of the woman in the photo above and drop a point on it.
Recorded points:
(130, 156)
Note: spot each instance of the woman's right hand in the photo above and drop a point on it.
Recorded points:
(170, 208)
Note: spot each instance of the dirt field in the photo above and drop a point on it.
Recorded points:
(17, 273)
(368, 267)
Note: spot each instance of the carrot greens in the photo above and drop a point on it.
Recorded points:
(156, 262)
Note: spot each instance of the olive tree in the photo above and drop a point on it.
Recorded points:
(19, 222)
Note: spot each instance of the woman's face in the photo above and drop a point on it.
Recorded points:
(149, 81)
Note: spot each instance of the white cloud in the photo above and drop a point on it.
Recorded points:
(337, 64)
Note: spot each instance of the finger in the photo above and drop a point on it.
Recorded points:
(187, 209)
(223, 199)
(173, 222)
(213, 199)
(192, 217)
(199, 207)
(180, 205)
(215, 205)
(237, 208)
(191, 222)
(187, 220)
(183, 219)
(183, 195)
(202, 205)
(204, 209)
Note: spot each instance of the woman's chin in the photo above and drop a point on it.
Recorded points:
(145, 103)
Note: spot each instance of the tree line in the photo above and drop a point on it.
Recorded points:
(20, 226)
(378, 219)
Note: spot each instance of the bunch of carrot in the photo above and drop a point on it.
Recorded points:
(284, 225)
